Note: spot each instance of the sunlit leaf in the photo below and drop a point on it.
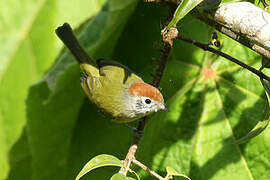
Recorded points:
(53, 104)
(119, 176)
(262, 124)
(135, 173)
(265, 62)
(183, 9)
(262, 3)
(173, 173)
(28, 46)
(212, 102)
(216, 103)
(101, 161)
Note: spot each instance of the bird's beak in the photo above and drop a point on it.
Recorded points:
(163, 107)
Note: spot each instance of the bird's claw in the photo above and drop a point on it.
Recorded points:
(138, 133)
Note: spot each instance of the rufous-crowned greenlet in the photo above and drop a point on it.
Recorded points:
(115, 89)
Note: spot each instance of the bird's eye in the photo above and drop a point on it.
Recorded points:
(148, 101)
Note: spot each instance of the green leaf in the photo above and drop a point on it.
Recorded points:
(172, 173)
(260, 4)
(265, 62)
(135, 173)
(212, 103)
(207, 5)
(182, 10)
(28, 47)
(119, 176)
(262, 124)
(54, 103)
(100, 161)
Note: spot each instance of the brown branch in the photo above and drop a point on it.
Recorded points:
(129, 158)
(140, 127)
(242, 21)
(206, 47)
(244, 40)
(168, 37)
(237, 24)
(144, 167)
(162, 65)
(156, 81)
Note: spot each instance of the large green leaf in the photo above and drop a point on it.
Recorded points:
(182, 10)
(95, 134)
(263, 123)
(53, 104)
(212, 103)
(119, 176)
(260, 4)
(171, 173)
(99, 161)
(28, 46)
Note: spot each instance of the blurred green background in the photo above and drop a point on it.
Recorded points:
(49, 130)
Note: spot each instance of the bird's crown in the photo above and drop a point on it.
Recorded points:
(145, 90)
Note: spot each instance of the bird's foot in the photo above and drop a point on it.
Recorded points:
(138, 133)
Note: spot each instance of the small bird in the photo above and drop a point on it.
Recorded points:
(116, 90)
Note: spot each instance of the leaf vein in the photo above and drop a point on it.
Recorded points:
(24, 33)
(231, 130)
(244, 90)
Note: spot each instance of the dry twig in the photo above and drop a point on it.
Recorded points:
(167, 36)
(207, 47)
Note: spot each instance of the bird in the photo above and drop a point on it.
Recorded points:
(118, 91)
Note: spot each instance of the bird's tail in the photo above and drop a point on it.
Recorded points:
(65, 33)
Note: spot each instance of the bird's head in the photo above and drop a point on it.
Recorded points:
(143, 99)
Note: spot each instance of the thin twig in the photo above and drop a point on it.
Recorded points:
(206, 47)
(153, 173)
(140, 127)
(162, 65)
(234, 35)
(155, 82)
(252, 35)
(168, 37)
(129, 158)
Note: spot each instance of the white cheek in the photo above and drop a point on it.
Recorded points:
(133, 110)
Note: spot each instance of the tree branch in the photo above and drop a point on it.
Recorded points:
(206, 47)
(144, 167)
(129, 158)
(243, 22)
(167, 36)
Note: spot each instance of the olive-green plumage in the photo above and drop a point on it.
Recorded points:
(104, 87)
(118, 91)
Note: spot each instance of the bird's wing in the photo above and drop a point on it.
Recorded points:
(111, 68)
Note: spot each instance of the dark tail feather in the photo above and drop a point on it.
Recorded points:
(65, 33)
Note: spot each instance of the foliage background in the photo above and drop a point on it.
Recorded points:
(49, 130)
